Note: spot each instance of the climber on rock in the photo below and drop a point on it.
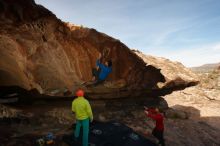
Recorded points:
(83, 112)
(158, 131)
(101, 72)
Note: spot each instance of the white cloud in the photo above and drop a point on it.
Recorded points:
(216, 47)
(197, 56)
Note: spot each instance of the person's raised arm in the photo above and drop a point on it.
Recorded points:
(99, 64)
(151, 115)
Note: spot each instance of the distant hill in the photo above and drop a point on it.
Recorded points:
(206, 67)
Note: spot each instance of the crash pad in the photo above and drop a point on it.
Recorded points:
(110, 134)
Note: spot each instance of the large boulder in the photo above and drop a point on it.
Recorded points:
(40, 51)
(176, 74)
(175, 114)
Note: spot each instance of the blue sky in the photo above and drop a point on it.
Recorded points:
(187, 31)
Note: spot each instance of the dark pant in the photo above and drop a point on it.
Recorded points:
(159, 135)
(95, 73)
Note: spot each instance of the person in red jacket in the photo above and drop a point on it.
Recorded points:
(158, 131)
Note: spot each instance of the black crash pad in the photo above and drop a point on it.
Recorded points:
(110, 134)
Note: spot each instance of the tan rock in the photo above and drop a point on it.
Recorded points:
(40, 51)
(175, 73)
(176, 114)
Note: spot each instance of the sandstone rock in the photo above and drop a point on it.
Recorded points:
(210, 80)
(40, 51)
(176, 75)
(62, 115)
(198, 102)
(176, 114)
(7, 112)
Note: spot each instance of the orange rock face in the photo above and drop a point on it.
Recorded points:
(39, 51)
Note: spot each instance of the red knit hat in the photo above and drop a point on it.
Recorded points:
(80, 93)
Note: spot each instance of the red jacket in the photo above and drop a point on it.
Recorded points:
(158, 117)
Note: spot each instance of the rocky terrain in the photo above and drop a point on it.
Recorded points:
(194, 109)
(176, 74)
(202, 105)
(191, 119)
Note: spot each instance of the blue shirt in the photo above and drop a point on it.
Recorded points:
(104, 70)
